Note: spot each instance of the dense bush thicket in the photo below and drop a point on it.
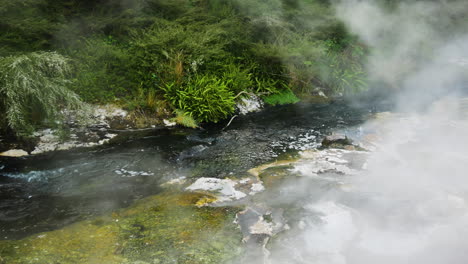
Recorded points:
(193, 55)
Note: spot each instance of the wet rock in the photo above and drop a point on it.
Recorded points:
(169, 123)
(224, 189)
(260, 220)
(119, 123)
(336, 141)
(14, 153)
(258, 224)
(101, 120)
(249, 104)
(329, 162)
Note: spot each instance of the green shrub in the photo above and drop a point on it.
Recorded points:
(206, 98)
(25, 26)
(281, 98)
(33, 90)
(103, 71)
(237, 79)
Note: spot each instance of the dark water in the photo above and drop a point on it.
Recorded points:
(49, 191)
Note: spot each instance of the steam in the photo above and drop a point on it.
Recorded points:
(410, 202)
(416, 209)
(417, 45)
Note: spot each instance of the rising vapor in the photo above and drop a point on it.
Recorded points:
(408, 203)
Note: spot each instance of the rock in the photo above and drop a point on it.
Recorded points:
(322, 94)
(259, 223)
(336, 141)
(14, 153)
(169, 123)
(329, 161)
(227, 190)
(256, 188)
(249, 104)
(223, 188)
(119, 123)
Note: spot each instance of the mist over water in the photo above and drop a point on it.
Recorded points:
(408, 202)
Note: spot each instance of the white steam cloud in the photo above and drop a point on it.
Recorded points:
(418, 47)
(409, 204)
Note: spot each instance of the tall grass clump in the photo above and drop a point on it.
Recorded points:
(33, 90)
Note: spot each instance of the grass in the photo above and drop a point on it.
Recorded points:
(281, 98)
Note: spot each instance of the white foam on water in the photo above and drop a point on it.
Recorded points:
(35, 176)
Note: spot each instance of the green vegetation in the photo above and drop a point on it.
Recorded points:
(284, 97)
(33, 90)
(204, 98)
(158, 56)
(184, 119)
(165, 228)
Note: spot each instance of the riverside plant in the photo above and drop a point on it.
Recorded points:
(205, 98)
(33, 91)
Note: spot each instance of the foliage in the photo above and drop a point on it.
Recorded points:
(184, 119)
(170, 51)
(103, 70)
(205, 98)
(144, 54)
(25, 26)
(345, 72)
(33, 89)
(281, 98)
(237, 79)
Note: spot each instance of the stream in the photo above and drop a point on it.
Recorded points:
(262, 190)
(50, 191)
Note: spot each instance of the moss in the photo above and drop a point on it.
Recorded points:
(166, 228)
(205, 201)
(83, 242)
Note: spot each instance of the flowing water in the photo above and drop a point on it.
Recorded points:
(401, 201)
(53, 190)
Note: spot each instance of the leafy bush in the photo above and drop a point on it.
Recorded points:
(33, 89)
(145, 53)
(237, 79)
(206, 98)
(25, 26)
(103, 71)
(169, 51)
